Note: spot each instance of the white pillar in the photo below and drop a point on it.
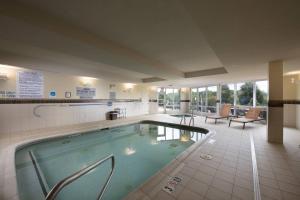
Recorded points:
(218, 104)
(184, 100)
(275, 110)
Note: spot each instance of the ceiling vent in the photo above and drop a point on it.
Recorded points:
(206, 72)
(152, 79)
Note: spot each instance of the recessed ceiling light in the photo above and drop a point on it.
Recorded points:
(293, 72)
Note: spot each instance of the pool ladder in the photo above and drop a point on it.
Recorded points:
(68, 180)
(192, 120)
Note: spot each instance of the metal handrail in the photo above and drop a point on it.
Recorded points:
(39, 172)
(66, 181)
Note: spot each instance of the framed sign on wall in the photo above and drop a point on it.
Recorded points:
(30, 84)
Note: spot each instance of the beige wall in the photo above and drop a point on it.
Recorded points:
(62, 83)
(16, 118)
(289, 92)
(298, 106)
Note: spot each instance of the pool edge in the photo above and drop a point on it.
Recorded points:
(12, 193)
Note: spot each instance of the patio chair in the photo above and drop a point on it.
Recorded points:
(121, 112)
(251, 116)
(224, 113)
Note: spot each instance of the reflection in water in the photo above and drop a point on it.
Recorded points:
(129, 151)
(167, 133)
(154, 142)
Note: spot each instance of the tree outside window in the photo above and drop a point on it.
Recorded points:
(245, 94)
(202, 99)
(194, 96)
(261, 93)
(212, 98)
(227, 94)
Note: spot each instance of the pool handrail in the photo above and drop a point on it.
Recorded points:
(39, 172)
(66, 181)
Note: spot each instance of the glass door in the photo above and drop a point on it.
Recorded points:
(168, 99)
(161, 99)
(202, 99)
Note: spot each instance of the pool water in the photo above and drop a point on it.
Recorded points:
(140, 151)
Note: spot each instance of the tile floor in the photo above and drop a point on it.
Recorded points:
(228, 175)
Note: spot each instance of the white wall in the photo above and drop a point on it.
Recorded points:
(184, 95)
(20, 117)
(291, 114)
(298, 106)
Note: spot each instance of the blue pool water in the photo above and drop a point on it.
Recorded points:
(140, 150)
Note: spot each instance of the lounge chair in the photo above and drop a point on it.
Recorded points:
(224, 113)
(251, 116)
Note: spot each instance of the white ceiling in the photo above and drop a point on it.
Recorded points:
(135, 39)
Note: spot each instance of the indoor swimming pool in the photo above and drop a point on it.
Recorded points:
(140, 150)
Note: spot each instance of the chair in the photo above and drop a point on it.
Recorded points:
(121, 112)
(224, 113)
(251, 116)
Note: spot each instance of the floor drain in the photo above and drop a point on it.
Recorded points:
(206, 156)
(171, 184)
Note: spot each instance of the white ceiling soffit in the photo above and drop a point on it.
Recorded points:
(244, 33)
(8, 58)
(55, 34)
(250, 72)
(154, 38)
(291, 66)
(162, 30)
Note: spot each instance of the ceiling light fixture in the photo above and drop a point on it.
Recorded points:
(292, 72)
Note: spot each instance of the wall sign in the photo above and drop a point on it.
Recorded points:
(2, 94)
(68, 95)
(112, 95)
(52, 93)
(85, 92)
(30, 84)
(7, 94)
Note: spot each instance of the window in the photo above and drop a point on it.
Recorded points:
(176, 100)
(245, 94)
(194, 97)
(261, 93)
(168, 99)
(202, 99)
(211, 98)
(227, 94)
(161, 99)
(241, 96)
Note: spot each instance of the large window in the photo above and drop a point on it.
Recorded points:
(241, 96)
(168, 99)
(161, 99)
(211, 99)
(202, 99)
(176, 100)
(227, 94)
(261, 93)
(194, 97)
(245, 94)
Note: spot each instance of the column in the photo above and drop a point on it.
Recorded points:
(275, 110)
(218, 104)
(184, 100)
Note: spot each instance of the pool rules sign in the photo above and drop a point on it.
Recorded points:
(30, 84)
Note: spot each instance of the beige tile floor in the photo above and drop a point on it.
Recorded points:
(227, 176)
